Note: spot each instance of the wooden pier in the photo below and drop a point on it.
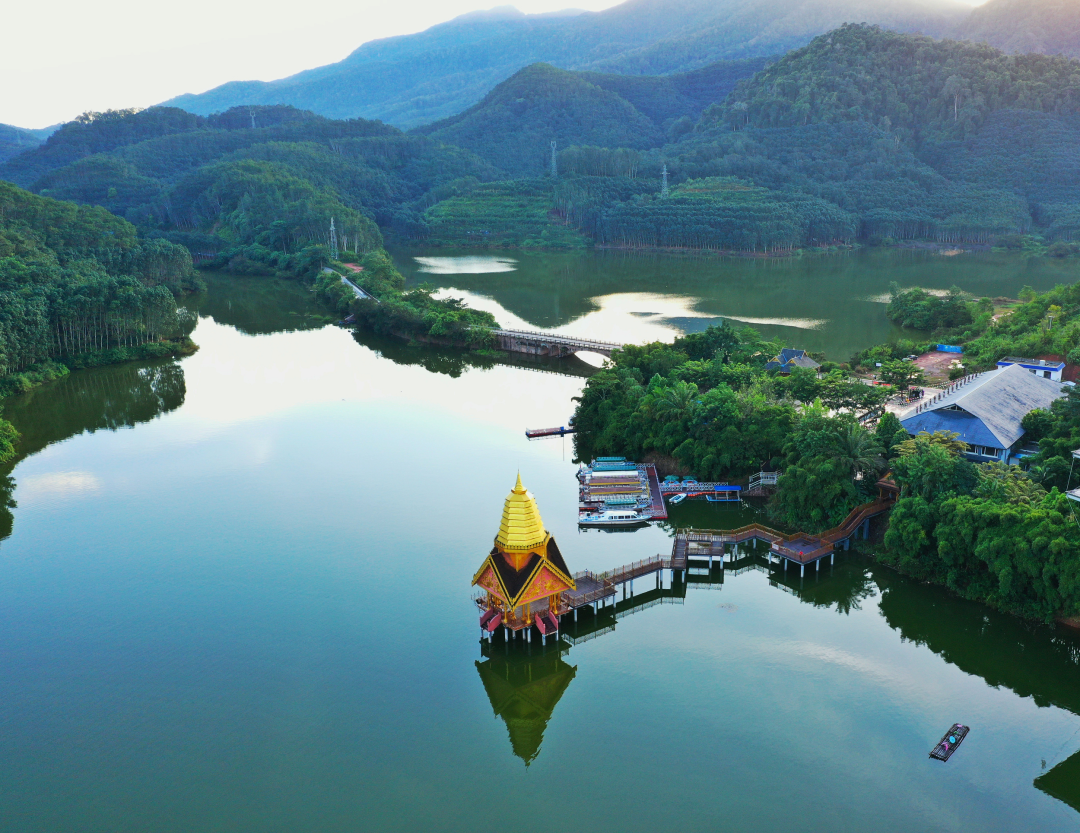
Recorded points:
(541, 433)
(734, 551)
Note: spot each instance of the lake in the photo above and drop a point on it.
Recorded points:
(234, 596)
(830, 303)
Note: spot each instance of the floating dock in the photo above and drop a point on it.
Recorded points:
(615, 482)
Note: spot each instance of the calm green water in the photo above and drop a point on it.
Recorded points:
(833, 303)
(235, 597)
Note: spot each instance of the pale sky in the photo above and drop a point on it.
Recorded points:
(65, 57)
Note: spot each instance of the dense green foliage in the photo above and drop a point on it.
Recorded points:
(414, 314)
(727, 215)
(706, 404)
(78, 286)
(915, 87)
(921, 310)
(986, 532)
(502, 214)
(514, 125)
(224, 188)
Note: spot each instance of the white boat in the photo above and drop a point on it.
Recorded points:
(676, 499)
(613, 517)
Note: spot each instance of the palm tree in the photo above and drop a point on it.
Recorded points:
(860, 452)
(677, 399)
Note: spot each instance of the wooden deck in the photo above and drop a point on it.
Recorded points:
(800, 547)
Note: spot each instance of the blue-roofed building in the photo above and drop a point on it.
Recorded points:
(1040, 367)
(987, 410)
(789, 359)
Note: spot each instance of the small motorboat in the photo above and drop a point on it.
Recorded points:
(949, 743)
(677, 498)
(613, 517)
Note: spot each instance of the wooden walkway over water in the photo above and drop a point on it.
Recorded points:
(600, 591)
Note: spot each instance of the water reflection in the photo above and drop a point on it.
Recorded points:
(454, 362)
(104, 398)
(465, 265)
(1063, 782)
(524, 684)
(829, 303)
(1036, 661)
(259, 305)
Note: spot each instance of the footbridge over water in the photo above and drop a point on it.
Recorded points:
(535, 343)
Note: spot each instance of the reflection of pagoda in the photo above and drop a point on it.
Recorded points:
(524, 574)
(524, 690)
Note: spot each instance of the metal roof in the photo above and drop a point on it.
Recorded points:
(971, 429)
(1000, 399)
(1031, 362)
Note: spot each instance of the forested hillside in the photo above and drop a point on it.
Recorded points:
(78, 286)
(513, 126)
(918, 88)
(515, 123)
(1051, 27)
(863, 135)
(15, 140)
(417, 79)
(218, 184)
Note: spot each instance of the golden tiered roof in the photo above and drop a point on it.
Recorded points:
(522, 528)
(525, 564)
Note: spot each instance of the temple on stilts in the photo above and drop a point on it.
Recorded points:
(524, 575)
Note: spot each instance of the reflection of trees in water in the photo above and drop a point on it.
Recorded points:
(1037, 661)
(844, 587)
(455, 361)
(258, 306)
(104, 398)
(524, 684)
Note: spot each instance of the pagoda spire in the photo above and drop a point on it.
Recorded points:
(524, 573)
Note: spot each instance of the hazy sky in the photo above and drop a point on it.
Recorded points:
(64, 58)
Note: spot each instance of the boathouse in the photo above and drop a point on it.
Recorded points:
(789, 359)
(987, 410)
(524, 575)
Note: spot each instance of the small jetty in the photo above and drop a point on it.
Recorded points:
(618, 483)
(713, 492)
(543, 433)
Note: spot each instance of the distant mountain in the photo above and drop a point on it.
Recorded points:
(14, 140)
(917, 88)
(1051, 27)
(417, 79)
(513, 126)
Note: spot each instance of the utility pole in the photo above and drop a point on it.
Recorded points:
(554, 162)
(664, 186)
(333, 241)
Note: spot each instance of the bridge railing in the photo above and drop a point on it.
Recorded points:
(561, 339)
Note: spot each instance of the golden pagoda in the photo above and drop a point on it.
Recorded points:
(524, 575)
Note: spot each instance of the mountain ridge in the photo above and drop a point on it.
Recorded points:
(417, 79)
